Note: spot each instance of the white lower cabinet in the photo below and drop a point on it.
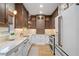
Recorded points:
(25, 49)
(22, 49)
(15, 53)
(26, 46)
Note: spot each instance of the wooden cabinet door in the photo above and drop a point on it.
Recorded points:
(32, 22)
(21, 17)
(18, 21)
(2, 13)
(48, 22)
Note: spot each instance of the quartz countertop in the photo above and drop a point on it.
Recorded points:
(7, 46)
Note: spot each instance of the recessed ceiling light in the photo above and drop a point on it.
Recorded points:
(41, 12)
(41, 6)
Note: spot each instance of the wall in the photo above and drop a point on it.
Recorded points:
(70, 30)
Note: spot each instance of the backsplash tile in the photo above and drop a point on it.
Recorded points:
(50, 31)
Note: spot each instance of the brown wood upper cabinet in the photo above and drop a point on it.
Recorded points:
(54, 14)
(22, 16)
(3, 21)
(48, 22)
(32, 22)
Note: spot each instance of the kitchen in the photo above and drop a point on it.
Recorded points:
(17, 26)
(26, 28)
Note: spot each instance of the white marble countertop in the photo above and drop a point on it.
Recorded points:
(7, 46)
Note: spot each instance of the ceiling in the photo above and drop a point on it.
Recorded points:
(40, 8)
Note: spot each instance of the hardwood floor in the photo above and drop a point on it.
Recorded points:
(40, 50)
